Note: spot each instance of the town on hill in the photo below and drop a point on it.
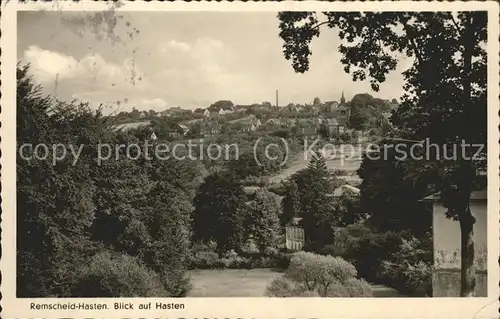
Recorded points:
(362, 116)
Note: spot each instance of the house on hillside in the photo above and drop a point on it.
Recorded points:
(447, 242)
(308, 132)
(178, 131)
(335, 127)
(330, 106)
(248, 124)
(153, 137)
(294, 235)
(275, 122)
(210, 128)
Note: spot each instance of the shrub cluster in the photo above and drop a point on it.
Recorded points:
(394, 259)
(313, 275)
(204, 257)
(410, 270)
(116, 275)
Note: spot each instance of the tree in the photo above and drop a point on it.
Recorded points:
(445, 87)
(313, 202)
(54, 201)
(290, 203)
(224, 104)
(390, 195)
(167, 221)
(316, 101)
(262, 220)
(219, 212)
(348, 210)
(326, 276)
(359, 117)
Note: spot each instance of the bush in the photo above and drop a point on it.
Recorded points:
(250, 247)
(234, 262)
(359, 245)
(350, 288)
(262, 262)
(282, 260)
(110, 275)
(283, 287)
(358, 288)
(204, 260)
(408, 278)
(199, 246)
(316, 275)
(271, 251)
(329, 250)
(410, 270)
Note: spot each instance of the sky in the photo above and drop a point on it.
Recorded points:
(187, 59)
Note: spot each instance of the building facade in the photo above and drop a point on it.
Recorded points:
(447, 252)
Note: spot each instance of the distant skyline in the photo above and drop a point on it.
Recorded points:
(186, 59)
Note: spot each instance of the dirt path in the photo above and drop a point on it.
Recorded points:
(349, 161)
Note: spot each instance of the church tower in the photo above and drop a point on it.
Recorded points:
(342, 99)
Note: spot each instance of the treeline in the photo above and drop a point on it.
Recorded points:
(116, 229)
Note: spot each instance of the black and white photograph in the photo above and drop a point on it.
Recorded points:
(281, 153)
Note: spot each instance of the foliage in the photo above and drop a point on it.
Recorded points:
(219, 212)
(390, 195)
(307, 195)
(347, 209)
(262, 220)
(366, 249)
(324, 276)
(54, 202)
(284, 287)
(314, 203)
(117, 275)
(409, 270)
(205, 257)
(225, 104)
(352, 287)
(290, 204)
(204, 260)
(72, 211)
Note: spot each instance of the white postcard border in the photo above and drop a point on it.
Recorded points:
(247, 307)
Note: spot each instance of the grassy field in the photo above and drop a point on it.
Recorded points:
(231, 282)
(247, 283)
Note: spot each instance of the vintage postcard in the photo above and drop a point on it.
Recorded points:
(250, 159)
